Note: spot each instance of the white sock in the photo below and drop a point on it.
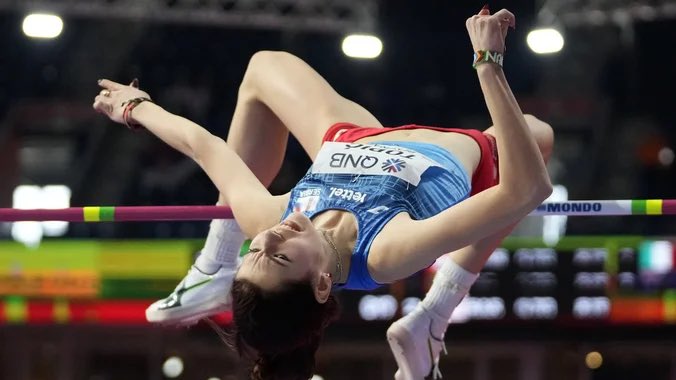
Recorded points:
(449, 287)
(222, 246)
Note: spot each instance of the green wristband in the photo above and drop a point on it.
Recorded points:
(487, 56)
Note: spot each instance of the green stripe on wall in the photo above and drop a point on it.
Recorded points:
(139, 288)
(52, 254)
(16, 310)
(145, 259)
(572, 242)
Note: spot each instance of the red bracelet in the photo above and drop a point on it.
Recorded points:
(129, 106)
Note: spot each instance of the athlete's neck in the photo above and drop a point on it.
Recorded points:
(341, 230)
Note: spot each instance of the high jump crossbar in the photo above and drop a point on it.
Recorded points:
(187, 213)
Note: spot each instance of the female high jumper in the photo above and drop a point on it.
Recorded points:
(378, 205)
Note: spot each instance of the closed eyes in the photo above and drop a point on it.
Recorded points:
(278, 256)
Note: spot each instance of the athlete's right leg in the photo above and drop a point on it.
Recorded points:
(418, 338)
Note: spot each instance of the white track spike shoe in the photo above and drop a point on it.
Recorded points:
(197, 296)
(416, 349)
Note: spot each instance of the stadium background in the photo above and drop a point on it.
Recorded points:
(582, 298)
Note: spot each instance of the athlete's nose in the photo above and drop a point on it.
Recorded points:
(271, 240)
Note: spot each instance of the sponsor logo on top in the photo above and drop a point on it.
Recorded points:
(393, 165)
(347, 194)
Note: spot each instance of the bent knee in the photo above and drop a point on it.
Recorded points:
(543, 134)
(260, 62)
(269, 57)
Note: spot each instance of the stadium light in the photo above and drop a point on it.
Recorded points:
(47, 197)
(593, 360)
(55, 197)
(362, 46)
(172, 367)
(545, 41)
(39, 25)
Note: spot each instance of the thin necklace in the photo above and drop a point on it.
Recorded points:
(339, 264)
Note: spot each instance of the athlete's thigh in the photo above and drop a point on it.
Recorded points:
(309, 129)
(542, 132)
(304, 101)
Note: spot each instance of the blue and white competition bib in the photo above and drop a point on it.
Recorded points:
(372, 159)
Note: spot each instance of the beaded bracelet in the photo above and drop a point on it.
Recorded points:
(487, 56)
(129, 106)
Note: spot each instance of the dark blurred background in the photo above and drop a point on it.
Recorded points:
(608, 95)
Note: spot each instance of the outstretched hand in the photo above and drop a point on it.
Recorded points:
(488, 32)
(112, 99)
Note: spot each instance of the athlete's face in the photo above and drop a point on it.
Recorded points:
(289, 251)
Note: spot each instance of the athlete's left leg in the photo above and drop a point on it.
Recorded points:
(279, 94)
(417, 339)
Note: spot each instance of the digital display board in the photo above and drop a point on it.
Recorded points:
(593, 279)
(609, 280)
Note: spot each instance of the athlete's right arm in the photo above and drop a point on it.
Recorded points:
(252, 204)
(238, 186)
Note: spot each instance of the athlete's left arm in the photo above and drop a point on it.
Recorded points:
(406, 246)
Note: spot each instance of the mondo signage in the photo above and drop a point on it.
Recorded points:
(571, 207)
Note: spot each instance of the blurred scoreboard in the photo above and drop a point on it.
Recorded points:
(600, 279)
(91, 282)
(609, 280)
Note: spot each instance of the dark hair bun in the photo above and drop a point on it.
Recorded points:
(281, 330)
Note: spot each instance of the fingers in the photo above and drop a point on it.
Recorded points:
(506, 16)
(485, 11)
(471, 20)
(102, 105)
(108, 100)
(110, 85)
(98, 106)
